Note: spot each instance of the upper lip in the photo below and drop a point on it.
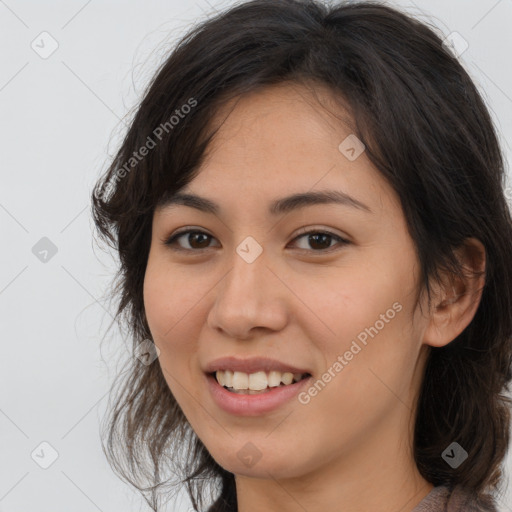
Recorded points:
(251, 365)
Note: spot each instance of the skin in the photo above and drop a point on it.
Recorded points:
(350, 447)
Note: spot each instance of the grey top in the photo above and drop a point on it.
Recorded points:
(441, 499)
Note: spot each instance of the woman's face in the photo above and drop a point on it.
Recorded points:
(251, 285)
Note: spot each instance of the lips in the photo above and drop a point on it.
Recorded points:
(249, 404)
(252, 365)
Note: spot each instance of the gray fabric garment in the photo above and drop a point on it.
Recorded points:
(441, 499)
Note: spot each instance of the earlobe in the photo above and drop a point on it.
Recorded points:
(458, 299)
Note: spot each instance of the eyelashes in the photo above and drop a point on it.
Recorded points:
(205, 238)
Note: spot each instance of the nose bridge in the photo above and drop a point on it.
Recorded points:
(245, 282)
(246, 297)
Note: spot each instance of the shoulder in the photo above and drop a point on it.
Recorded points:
(458, 499)
(466, 500)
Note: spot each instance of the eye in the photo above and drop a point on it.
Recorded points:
(320, 241)
(194, 237)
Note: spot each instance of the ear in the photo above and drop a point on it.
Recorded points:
(457, 299)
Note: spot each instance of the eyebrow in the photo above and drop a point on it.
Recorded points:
(278, 206)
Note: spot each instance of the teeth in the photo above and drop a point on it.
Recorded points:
(255, 381)
(258, 381)
(240, 380)
(228, 378)
(220, 378)
(287, 378)
(274, 379)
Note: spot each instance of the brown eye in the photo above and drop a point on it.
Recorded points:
(196, 240)
(320, 241)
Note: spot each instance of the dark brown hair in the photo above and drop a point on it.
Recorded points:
(426, 129)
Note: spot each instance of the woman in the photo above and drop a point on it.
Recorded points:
(315, 248)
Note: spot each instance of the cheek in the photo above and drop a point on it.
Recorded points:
(158, 301)
(364, 302)
(369, 313)
(168, 297)
(166, 312)
(170, 315)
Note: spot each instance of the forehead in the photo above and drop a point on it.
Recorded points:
(281, 140)
(275, 132)
(284, 116)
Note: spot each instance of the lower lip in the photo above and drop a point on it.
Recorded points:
(253, 405)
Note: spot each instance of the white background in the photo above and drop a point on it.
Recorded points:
(61, 118)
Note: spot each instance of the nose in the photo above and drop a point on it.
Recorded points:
(249, 298)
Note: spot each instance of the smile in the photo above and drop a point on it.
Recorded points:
(251, 402)
(255, 383)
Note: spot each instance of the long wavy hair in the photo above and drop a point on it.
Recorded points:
(426, 129)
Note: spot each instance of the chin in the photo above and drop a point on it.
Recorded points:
(277, 466)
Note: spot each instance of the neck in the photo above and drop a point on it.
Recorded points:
(379, 475)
